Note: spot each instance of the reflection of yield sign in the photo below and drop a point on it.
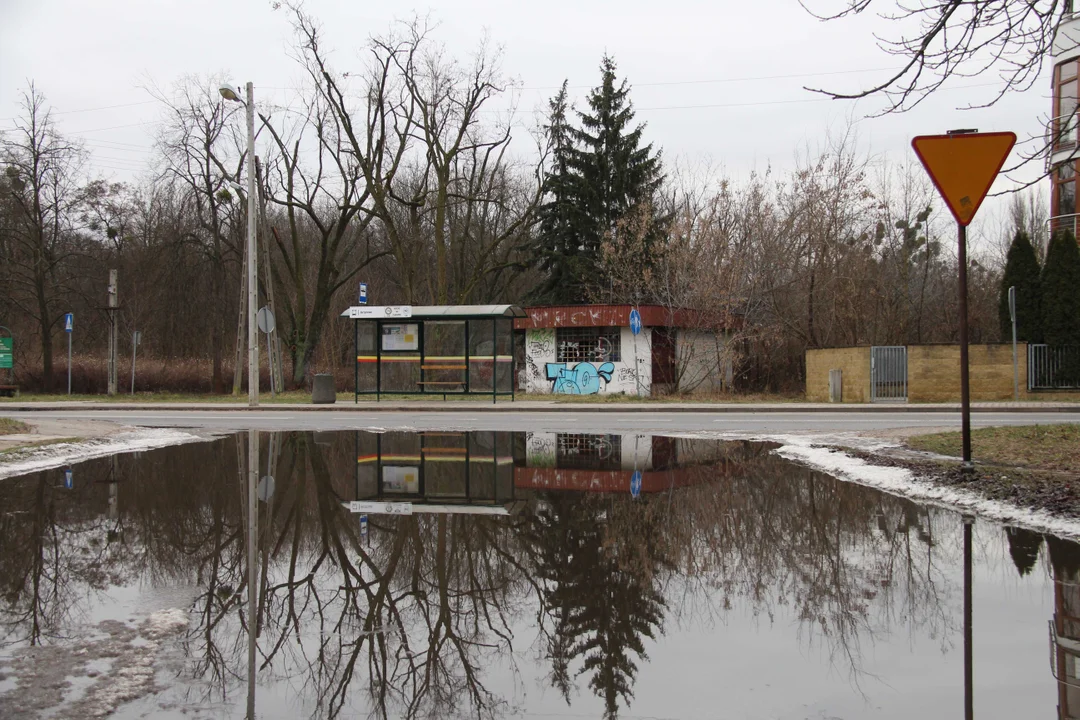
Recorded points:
(963, 166)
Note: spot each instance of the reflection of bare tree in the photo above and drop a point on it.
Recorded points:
(412, 618)
(53, 549)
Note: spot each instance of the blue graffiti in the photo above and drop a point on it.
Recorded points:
(582, 379)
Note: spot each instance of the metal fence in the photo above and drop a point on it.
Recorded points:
(1053, 368)
(888, 374)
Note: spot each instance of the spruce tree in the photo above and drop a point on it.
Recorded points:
(1022, 271)
(599, 173)
(617, 173)
(1061, 291)
(557, 249)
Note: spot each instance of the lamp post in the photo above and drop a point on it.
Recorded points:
(252, 276)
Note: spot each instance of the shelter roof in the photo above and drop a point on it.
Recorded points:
(459, 312)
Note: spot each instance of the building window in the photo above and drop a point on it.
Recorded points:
(1065, 100)
(1065, 190)
(588, 344)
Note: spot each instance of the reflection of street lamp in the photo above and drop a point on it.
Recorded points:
(252, 289)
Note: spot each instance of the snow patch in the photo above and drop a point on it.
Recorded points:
(21, 462)
(903, 482)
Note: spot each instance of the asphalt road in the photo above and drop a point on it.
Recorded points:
(567, 420)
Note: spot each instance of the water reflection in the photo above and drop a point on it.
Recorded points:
(488, 566)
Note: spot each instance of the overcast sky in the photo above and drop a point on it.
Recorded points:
(720, 81)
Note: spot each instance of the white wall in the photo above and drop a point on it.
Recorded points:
(631, 372)
(702, 361)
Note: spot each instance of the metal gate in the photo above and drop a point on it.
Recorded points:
(888, 374)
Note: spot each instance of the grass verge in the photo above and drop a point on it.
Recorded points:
(12, 427)
(1054, 448)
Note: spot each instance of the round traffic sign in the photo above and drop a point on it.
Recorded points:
(264, 320)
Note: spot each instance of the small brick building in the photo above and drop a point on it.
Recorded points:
(590, 349)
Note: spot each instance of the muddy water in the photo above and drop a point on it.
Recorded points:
(514, 574)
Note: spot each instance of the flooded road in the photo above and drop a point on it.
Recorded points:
(515, 574)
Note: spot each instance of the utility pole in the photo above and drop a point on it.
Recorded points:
(238, 365)
(273, 340)
(252, 274)
(113, 331)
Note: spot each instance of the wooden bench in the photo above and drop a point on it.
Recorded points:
(9, 391)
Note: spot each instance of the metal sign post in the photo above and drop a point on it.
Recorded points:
(266, 322)
(963, 165)
(69, 326)
(1016, 363)
(136, 338)
(635, 328)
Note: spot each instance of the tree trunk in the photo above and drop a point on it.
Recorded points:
(46, 337)
(217, 335)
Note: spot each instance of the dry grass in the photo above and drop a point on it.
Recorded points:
(1044, 447)
(12, 427)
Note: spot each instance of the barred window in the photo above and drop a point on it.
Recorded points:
(587, 344)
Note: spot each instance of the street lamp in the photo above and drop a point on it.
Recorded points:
(252, 287)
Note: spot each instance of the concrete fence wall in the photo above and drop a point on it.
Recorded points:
(933, 373)
(854, 362)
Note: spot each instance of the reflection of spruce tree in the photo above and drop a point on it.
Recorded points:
(602, 593)
(1024, 548)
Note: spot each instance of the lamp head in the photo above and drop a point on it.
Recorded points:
(229, 94)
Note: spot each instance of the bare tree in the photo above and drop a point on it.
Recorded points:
(42, 170)
(937, 40)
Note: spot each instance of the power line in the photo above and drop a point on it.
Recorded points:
(94, 109)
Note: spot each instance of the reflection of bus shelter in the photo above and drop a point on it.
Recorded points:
(436, 472)
(436, 349)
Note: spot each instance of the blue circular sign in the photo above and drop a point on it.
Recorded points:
(635, 321)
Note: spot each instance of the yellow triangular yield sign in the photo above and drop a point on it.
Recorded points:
(963, 166)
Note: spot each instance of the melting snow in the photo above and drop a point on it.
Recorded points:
(28, 460)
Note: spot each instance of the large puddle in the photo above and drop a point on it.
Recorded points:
(515, 574)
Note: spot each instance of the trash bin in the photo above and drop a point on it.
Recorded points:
(323, 391)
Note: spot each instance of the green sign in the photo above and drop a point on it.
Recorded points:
(6, 358)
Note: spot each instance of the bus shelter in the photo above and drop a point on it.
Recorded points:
(434, 349)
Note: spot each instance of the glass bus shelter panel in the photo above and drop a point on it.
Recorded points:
(504, 344)
(366, 372)
(482, 342)
(444, 363)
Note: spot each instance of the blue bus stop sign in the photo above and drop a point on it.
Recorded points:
(635, 483)
(363, 293)
(69, 322)
(635, 321)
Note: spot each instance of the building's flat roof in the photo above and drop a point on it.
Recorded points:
(553, 316)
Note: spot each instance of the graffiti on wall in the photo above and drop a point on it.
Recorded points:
(542, 342)
(582, 379)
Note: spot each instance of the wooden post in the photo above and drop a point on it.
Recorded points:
(113, 332)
